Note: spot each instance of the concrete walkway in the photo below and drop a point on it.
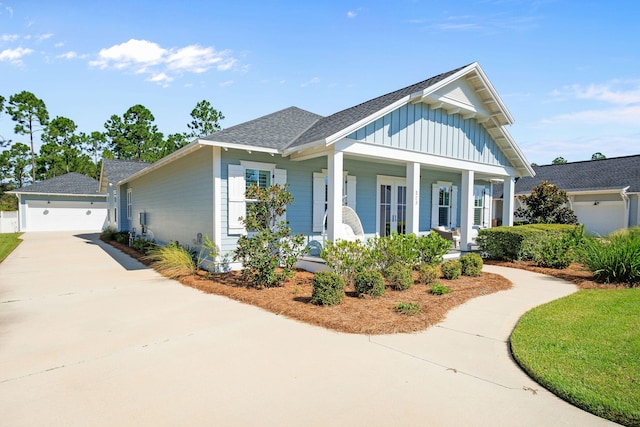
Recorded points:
(90, 337)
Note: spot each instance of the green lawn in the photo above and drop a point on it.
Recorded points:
(8, 243)
(586, 349)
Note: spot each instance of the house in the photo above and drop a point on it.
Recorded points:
(113, 171)
(604, 194)
(67, 202)
(408, 161)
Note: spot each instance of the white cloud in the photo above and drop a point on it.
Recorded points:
(314, 80)
(59, 44)
(226, 83)
(351, 14)
(69, 55)
(44, 37)
(14, 55)
(145, 57)
(9, 37)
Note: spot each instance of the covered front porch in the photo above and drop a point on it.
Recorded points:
(407, 192)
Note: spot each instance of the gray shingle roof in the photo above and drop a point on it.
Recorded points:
(117, 170)
(606, 174)
(275, 130)
(70, 183)
(329, 125)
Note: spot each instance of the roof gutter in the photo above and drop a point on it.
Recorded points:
(38, 193)
(227, 145)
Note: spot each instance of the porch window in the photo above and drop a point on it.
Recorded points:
(481, 202)
(261, 178)
(444, 206)
(129, 204)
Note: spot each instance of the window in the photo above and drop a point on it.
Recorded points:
(115, 208)
(129, 204)
(261, 178)
(444, 205)
(478, 199)
(240, 177)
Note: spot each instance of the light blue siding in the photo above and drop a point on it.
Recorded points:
(417, 127)
(177, 199)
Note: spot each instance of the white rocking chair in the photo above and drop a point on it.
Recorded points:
(351, 225)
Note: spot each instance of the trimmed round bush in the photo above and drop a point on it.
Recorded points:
(400, 276)
(428, 273)
(451, 269)
(370, 283)
(471, 264)
(328, 288)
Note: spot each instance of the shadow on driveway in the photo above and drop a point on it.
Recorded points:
(121, 258)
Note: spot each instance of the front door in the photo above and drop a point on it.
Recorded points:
(392, 205)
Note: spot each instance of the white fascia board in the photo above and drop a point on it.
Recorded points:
(375, 116)
(587, 192)
(238, 146)
(38, 193)
(357, 148)
(519, 153)
(192, 146)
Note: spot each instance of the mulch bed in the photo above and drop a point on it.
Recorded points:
(355, 314)
(575, 273)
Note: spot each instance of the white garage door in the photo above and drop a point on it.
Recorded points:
(63, 215)
(601, 219)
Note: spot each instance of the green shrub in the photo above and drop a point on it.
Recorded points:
(400, 276)
(121, 237)
(428, 273)
(108, 234)
(395, 249)
(328, 288)
(555, 252)
(438, 289)
(347, 258)
(142, 245)
(172, 260)
(369, 283)
(432, 248)
(522, 242)
(471, 264)
(616, 259)
(408, 308)
(269, 253)
(451, 269)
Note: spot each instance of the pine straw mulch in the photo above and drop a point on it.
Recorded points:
(575, 273)
(355, 314)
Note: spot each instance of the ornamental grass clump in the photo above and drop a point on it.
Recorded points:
(471, 264)
(451, 269)
(408, 308)
(369, 283)
(613, 260)
(172, 260)
(439, 289)
(328, 288)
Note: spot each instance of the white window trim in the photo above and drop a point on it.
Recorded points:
(348, 197)
(129, 203)
(435, 203)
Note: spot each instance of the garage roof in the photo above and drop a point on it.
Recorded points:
(69, 184)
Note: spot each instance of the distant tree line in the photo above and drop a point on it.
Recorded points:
(561, 160)
(64, 149)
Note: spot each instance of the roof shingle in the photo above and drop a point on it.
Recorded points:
(70, 183)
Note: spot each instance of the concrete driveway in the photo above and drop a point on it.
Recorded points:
(90, 337)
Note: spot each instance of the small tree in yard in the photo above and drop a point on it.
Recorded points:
(269, 253)
(546, 205)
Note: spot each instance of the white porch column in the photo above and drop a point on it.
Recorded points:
(413, 198)
(334, 202)
(508, 200)
(466, 210)
(217, 197)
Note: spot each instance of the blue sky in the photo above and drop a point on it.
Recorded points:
(568, 71)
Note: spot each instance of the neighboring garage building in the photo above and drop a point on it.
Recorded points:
(67, 202)
(604, 194)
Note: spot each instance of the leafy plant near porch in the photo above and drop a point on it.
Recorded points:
(616, 259)
(269, 253)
